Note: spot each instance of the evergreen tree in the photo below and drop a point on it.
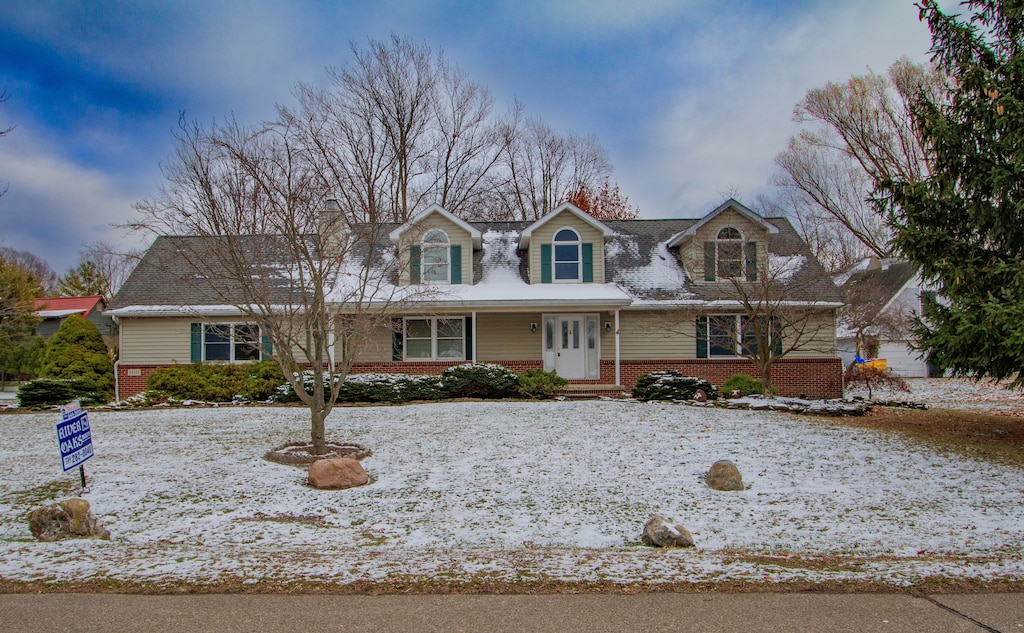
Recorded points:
(77, 351)
(964, 224)
(84, 280)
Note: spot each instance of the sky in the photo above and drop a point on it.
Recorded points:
(692, 98)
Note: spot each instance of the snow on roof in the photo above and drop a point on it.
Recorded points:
(784, 267)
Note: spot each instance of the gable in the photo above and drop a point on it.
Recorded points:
(544, 235)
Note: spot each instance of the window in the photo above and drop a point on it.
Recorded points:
(733, 335)
(568, 263)
(231, 342)
(435, 257)
(435, 339)
(730, 252)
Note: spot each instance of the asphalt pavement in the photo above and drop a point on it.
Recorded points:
(589, 613)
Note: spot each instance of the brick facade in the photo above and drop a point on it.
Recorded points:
(814, 378)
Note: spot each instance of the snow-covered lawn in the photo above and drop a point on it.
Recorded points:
(520, 492)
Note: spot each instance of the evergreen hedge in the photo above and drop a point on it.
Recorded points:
(671, 385)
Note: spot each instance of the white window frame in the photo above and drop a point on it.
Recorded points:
(578, 245)
(433, 339)
(721, 242)
(233, 343)
(432, 243)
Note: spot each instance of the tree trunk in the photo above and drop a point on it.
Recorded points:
(766, 379)
(317, 430)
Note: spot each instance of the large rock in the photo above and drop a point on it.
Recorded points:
(336, 474)
(724, 476)
(662, 532)
(68, 519)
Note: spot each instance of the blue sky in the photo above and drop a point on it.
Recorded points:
(693, 99)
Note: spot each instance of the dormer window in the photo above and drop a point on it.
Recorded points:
(568, 262)
(729, 245)
(436, 257)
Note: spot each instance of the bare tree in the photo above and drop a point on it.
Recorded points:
(4, 132)
(114, 264)
(264, 239)
(861, 133)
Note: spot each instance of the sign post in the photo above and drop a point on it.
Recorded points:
(74, 438)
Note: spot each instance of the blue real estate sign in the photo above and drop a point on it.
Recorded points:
(74, 436)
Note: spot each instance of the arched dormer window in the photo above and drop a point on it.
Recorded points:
(436, 257)
(729, 249)
(568, 261)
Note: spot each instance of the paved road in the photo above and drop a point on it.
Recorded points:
(650, 613)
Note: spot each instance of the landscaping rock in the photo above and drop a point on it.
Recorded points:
(68, 519)
(700, 396)
(662, 532)
(336, 474)
(724, 476)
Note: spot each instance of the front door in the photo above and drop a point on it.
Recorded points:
(570, 347)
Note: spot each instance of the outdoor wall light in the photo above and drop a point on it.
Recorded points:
(607, 326)
(533, 327)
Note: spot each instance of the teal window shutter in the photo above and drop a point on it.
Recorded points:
(197, 342)
(414, 264)
(469, 338)
(588, 262)
(709, 261)
(456, 263)
(751, 257)
(776, 330)
(397, 339)
(545, 263)
(268, 347)
(702, 337)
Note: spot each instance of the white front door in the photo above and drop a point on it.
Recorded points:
(570, 347)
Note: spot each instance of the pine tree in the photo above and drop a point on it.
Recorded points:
(77, 351)
(964, 224)
(84, 280)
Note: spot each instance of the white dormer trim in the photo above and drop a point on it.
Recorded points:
(524, 237)
(396, 235)
(731, 203)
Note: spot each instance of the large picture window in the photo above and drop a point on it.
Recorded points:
(568, 262)
(231, 342)
(732, 335)
(435, 338)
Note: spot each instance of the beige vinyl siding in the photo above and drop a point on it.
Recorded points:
(820, 337)
(546, 233)
(155, 341)
(508, 336)
(376, 346)
(693, 250)
(456, 235)
(652, 335)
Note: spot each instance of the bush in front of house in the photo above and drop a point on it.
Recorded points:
(745, 383)
(218, 382)
(77, 352)
(392, 388)
(480, 380)
(538, 384)
(48, 392)
(671, 385)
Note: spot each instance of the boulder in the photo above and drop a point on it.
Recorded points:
(662, 532)
(700, 396)
(68, 519)
(724, 476)
(336, 473)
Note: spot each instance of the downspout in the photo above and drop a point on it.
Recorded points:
(117, 363)
(618, 349)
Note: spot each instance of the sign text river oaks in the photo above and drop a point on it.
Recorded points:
(74, 436)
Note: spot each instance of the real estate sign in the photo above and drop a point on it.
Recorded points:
(74, 436)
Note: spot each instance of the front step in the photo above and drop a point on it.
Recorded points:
(582, 391)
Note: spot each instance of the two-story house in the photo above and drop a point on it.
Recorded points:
(600, 303)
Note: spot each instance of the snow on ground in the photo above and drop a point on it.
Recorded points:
(959, 393)
(509, 491)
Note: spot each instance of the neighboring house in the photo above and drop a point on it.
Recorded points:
(53, 311)
(889, 293)
(598, 302)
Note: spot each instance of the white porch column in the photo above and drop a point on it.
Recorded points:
(618, 369)
(476, 327)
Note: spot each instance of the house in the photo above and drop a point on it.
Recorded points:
(53, 311)
(600, 303)
(884, 296)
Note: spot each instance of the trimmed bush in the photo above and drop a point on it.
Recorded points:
(538, 384)
(671, 385)
(218, 382)
(392, 388)
(47, 392)
(77, 352)
(480, 380)
(747, 385)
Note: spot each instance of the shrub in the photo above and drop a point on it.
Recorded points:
(44, 392)
(870, 377)
(746, 384)
(218, 382)
(77, 352)
(393, 388)
(480, 380)
(671, 385)
(538, 384)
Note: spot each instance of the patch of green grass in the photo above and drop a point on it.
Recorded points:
(50, 491)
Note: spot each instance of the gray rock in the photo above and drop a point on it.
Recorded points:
(724, 476)
(662, 532)
(68, 519)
